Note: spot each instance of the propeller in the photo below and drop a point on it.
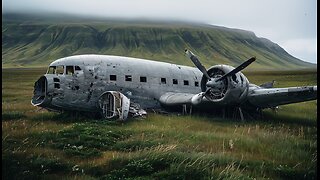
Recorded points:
(196, 62)
(216, 83)
(237, 69)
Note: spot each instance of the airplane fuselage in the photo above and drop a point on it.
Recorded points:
(115, 85)
(143, 81)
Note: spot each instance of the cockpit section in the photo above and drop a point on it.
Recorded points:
(48, 90)
(51, 83)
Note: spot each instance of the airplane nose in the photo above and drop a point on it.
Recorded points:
(40, 91)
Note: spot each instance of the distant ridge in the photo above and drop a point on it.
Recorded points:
(32, 40)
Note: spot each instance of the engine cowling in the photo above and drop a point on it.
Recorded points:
(222, 84)
(230, 90)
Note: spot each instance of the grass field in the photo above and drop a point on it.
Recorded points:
(37, 144)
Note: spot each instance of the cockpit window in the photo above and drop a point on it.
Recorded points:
(69, 70)
(51, 70)
(60, 70)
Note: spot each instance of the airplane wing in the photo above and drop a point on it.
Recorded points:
(257, 97)
(271, 97)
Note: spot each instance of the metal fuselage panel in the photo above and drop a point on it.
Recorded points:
(81, 90)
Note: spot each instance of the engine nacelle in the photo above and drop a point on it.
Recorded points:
(229, 91)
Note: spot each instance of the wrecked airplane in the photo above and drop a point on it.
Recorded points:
(120, 87)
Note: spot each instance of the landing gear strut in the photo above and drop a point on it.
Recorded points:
(185, 109)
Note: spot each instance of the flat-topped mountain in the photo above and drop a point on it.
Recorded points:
(30, 40)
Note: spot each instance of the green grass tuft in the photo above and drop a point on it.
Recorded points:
(12, 115)
(82, 140)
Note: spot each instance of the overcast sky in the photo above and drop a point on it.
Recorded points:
(290, 23)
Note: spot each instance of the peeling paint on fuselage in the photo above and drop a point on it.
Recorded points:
(81, 90)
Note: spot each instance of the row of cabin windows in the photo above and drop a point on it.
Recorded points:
(60, 70)
(144, 79)
(71, 69)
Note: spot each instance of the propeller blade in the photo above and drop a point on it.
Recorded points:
(196, 62)
(237, 69)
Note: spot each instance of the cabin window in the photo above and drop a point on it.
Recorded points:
(143, 79)
(113, 77)
(175, 81)
(77, 68)
(51, 70)
(186, 82)
(163, 80)
(60, 70)
(128, 78)
(196, 83)
(69, 70)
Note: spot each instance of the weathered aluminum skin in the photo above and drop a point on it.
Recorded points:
(80, 91)
(94, 79)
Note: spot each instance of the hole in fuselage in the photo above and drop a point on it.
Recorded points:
(57, 86)
(56, 80)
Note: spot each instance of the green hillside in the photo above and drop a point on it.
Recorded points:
(36, 41)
